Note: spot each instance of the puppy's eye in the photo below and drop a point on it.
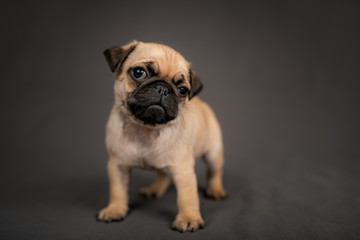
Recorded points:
(183, 91)
(139, 73)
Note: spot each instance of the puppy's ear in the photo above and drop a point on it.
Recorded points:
(116, 56)
(196, 84)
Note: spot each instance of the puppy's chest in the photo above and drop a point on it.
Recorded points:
(143, 148)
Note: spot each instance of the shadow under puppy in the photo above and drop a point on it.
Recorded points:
(157, 122)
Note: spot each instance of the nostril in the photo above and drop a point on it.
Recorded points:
(162, 91)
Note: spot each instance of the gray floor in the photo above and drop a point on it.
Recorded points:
(282, 78)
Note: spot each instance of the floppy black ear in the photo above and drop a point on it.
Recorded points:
(116, 56)
(196, 84)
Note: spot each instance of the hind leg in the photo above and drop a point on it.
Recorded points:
(215, 162)
(158, 187)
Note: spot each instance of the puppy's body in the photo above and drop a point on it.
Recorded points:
(141, 146)
(158, 123)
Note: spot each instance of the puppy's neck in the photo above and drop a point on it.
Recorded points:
(139, 131)
(136, 131)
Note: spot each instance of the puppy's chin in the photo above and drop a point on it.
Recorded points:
(151, 122)
(151, 115)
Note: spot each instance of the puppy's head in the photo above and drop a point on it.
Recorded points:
(153, 82)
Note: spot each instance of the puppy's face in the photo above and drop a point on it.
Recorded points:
(153, 82)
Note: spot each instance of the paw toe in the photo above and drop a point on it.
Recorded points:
(192, 224)
(216, 193)
(111, 214)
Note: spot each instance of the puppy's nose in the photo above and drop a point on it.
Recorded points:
(162, 90)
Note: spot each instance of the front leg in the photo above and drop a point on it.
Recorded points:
(117, 208)
(189, 217)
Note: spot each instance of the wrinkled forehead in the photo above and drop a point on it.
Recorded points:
(165, 60)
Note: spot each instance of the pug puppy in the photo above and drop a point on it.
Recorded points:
(158, 123)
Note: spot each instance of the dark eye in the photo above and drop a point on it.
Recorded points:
(139, 73)
(183, 91)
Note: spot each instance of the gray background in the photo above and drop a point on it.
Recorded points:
(283, 79)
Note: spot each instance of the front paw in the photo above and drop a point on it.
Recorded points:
(113, 212)
(188, 222)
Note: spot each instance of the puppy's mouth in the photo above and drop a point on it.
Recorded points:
(153, 114)
(154, 103)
